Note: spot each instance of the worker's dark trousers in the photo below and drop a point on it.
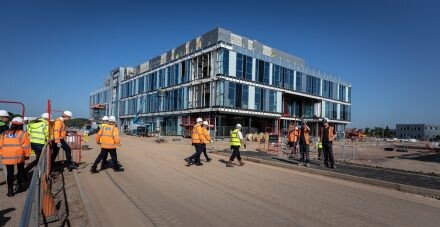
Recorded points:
(199, 150)
(38, 148)
(10, 177)
(104, 159)
(104, 153)
(304, 150)
(235, 153)
(66, 149)
(328, 154)
(205, 153)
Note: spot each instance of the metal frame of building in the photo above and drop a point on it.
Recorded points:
(202, 62)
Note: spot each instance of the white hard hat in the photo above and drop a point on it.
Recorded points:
(199, 119)
(45, 115)
(67, 113)
(205, 123)
(326, 120)
(105, 118)
(238, 126)
(112, 118)
(4, 113)
(17, 121)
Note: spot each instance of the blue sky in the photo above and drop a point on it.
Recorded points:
(388, 50)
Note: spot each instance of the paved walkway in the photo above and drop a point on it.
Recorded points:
(157, 189)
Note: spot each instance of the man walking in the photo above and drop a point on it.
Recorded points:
(197, 140)
(39, 133)
(207, 139)
(59, 134)
(304, 141)
(104, 123)
(108, 138)
(236, 141)
(327, 144)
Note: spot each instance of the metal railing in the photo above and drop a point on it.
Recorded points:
(32, 206)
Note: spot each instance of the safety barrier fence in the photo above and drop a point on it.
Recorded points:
(33, 205)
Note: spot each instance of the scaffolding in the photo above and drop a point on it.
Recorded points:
(98, 111)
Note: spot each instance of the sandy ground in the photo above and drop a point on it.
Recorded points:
(157, 189)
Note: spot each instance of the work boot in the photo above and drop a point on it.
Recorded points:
(118, 168)
(199, 164)
(71, 167)
(208, 159)
(94, 170)
(19, 188)
(188, 161)
(241, 163)
(104, 165)
(10, 192)
(229, 164)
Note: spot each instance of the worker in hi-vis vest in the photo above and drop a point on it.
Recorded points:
(197, 138)
(39, 135)
(59, 135)
(236, 142)
(108, 138)
(15, 148)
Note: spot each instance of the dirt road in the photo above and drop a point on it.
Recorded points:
(157, 189)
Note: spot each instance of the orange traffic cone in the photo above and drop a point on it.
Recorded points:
(47, 203)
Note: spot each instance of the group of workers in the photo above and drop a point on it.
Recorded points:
(325, 143)
(17, 139)
(200, 138)
(108, 138)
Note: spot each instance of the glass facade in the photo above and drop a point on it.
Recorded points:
(232, 94)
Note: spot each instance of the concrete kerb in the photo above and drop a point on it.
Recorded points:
(400, 187)
(91, 215)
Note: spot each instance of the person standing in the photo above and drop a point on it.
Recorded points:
(236, 142)
(328, 137)
(197, 137)
(293, 137)
(319, 148)
(108, 138)
(15, 149)
(104, 123)
(4, 119)
(207, 139)
(39, 134)
(304, 142)
(59, 134)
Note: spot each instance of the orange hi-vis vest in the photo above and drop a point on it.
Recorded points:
(108, 137)
(206, 137)
(330, 133)
(197, 134)
(14, 147)
(293, 134)
(307, 136)
(59, 130)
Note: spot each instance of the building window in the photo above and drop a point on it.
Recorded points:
(313, 85)
(276, 76)
(231, 94)
(299, 81)
(239, 67)
(245, 97)
(248, 68)
(258, 98)
(223, 62)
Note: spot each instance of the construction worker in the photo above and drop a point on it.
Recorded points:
(328, 137)
(206, 139)
(59, 134)
(4, 119)
(293, 137)
(39, 134)
(108, 138)
(103, 124)
(15, 149)
(304, 141)
(198, 139)
(319, 148)
(236, 142)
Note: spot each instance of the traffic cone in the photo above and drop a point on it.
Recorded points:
(48, 204)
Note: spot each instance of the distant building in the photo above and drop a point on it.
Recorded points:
(417, 131)
(224, 78)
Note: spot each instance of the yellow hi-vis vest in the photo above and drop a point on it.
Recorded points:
(38, 131)
(235, 140)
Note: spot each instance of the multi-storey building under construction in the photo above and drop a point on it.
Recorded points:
(227, 79)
